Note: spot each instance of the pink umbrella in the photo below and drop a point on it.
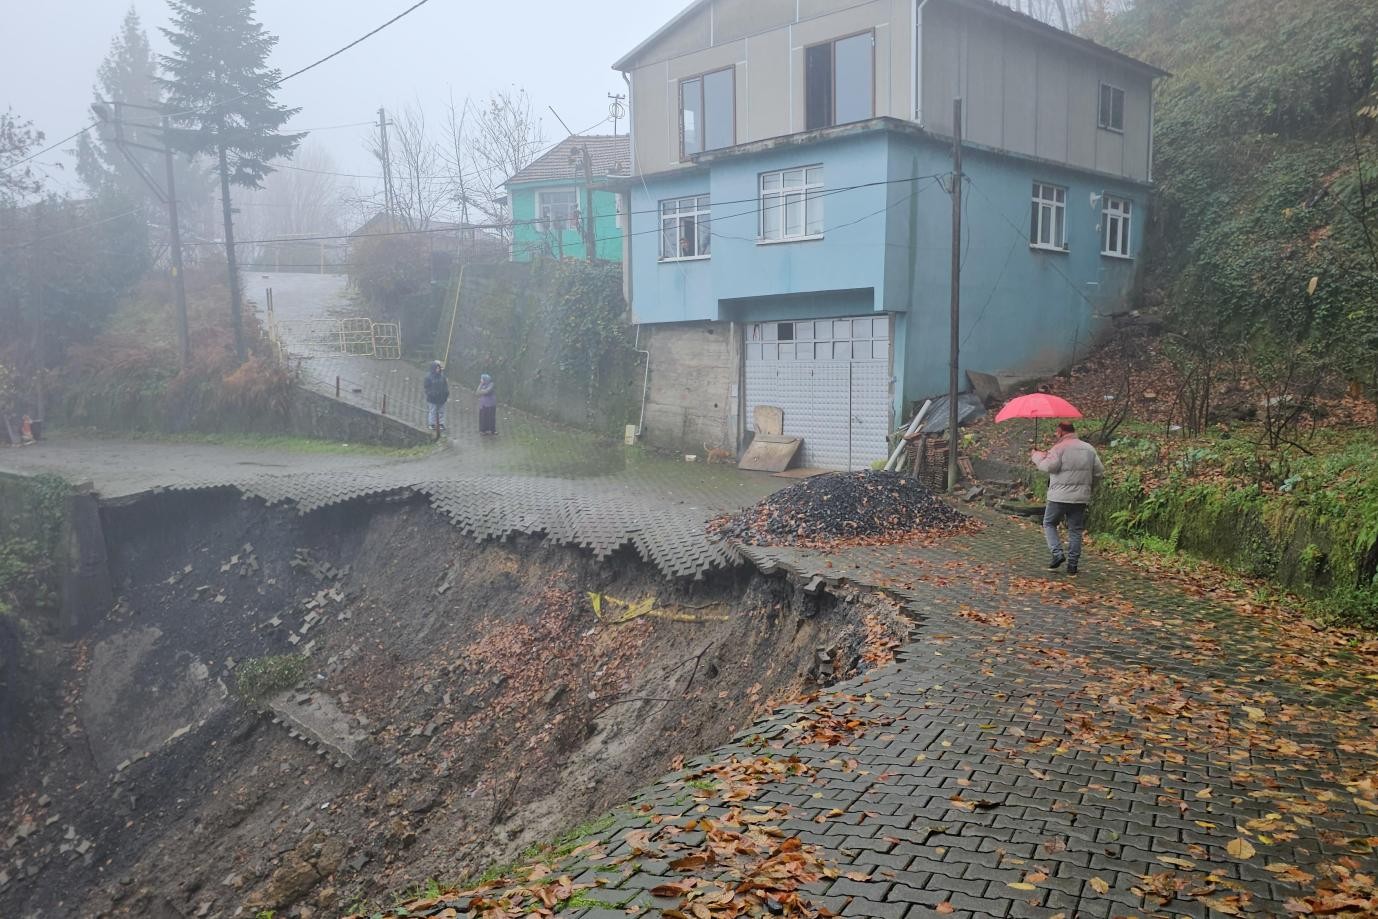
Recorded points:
(1038, 405)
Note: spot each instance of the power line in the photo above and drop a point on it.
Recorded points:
(754, 201)
(64, 140)
(296, 73)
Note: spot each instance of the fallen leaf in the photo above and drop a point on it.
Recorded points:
(1099, 885)
(1241, 849)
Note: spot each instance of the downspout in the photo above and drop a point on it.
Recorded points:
(916, 60)
(645, 382)
(627, 258)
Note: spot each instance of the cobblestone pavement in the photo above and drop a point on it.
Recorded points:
(303, 304)
(1108, 746)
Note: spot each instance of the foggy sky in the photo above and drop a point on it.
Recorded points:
(560, 52)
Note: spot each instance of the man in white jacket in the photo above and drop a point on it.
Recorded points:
(1074, 468)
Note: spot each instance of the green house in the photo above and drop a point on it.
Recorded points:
(550, 200)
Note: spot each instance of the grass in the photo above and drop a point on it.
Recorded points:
(255, 680)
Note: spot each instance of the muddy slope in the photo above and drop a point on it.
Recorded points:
(460, 702)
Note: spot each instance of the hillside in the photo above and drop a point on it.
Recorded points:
(1265, 237)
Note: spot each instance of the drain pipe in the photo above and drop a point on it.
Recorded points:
(627, 258)
(645, 383)
(916, 60)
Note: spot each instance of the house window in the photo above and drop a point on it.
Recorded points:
(707, 112)
(1116, 216)
(557, 209)
(1048, 224)
(792, 204)
(1111, 107)
(684, 228)
(839, 81)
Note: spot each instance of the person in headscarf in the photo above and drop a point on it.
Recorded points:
(487, 406)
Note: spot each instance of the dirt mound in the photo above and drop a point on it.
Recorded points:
(844, 508)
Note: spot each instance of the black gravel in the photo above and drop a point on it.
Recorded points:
(853, 507)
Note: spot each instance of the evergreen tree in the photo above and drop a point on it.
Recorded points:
(220, 96)
(127, 75)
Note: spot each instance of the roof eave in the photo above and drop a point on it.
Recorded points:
(624, 64)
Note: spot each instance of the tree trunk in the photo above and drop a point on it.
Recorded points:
(235, 307)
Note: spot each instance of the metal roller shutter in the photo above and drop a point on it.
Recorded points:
(832, 379)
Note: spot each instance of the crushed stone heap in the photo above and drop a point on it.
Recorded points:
(855, 508)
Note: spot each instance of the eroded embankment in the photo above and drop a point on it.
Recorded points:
(457, 702)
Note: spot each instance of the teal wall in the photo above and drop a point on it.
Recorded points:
(528, 241)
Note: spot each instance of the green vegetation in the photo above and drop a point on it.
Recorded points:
(571, 840)
(255, 680)
(555, 337)
(1308, 521)
(1264, 252)
(32, 511)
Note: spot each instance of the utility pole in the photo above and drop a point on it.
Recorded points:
(617, 109)
(122, 144)
(386, 156)
(590, 240)
(179, 283)
(955, 319)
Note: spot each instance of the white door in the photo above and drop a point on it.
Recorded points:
(832, 379)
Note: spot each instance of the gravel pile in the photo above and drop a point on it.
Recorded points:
(856, 508)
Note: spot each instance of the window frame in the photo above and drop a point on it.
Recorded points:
(684, 155)
(1051, 207)
(544, 222)
(701, 213)
(1108, 124)
(811, 194)
(831, 44)
(1124, 216)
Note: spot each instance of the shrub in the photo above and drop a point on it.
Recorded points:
(255, 680)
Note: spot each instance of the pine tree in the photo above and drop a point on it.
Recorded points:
(220, 98)
(127, 75)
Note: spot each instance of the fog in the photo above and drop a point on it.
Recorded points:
(561, 53)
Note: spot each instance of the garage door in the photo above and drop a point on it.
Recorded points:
(832, 379)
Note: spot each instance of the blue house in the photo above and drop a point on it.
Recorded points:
(790, 216)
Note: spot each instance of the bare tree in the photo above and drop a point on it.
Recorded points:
(456, 155)
(414, 161)
(305, 197)
(506, 137)
(1070, 15)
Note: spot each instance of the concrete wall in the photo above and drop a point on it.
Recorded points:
(694, 386)
(529, 240)
(317, 416)
(1030, 94)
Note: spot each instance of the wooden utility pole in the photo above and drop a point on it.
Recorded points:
(956, 313)
(179, 283)
(590, 240)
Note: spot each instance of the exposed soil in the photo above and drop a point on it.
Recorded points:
(499, 693)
